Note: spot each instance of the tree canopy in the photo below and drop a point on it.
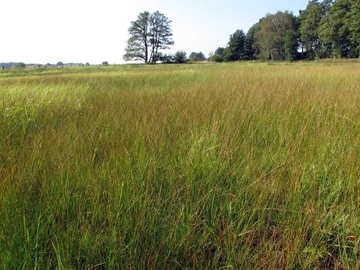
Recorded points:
(328, 28)
(180, 57)
(273, 31)
(149, 34)
(324, 29)
(235, 48)
(197, 57)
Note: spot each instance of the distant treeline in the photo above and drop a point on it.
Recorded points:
(13, 65)
(325, 29)
(10, 65)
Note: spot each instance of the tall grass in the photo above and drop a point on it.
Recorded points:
(242, 166)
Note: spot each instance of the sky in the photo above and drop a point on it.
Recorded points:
(93, 31)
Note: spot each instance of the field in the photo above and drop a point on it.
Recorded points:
(209, 166)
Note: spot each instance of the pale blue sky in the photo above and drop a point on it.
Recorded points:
(48, 31)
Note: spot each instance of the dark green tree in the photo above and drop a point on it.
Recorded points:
(180, 57)
(160, 34)
(235, 48)
(220, 51)
(292, 41)
(291, 45)
(354, 26)
(197, 57)
(138, 44)
(216, 58)
(149, 34)
(250, 49)
(310, 20)
(165, 58)
(335, 28)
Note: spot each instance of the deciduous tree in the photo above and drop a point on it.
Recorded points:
(220, 51)
(310, 19)
(216, 58)
(235, 48)
(251, 48)
(197, 57)
(271, 36)
(335, 28)
(355, 24)
(180, 57)
(149, 34)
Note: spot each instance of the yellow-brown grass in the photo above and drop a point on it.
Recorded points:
(244, 166)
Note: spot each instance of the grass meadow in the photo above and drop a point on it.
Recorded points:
(202, 166)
